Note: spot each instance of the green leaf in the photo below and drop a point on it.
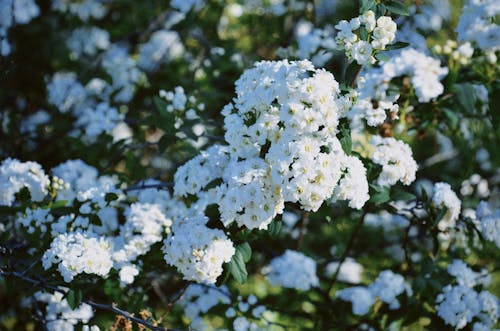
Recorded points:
(245, 251)
(351, 73)
(237, 267)
(111, 197)
(346, 140)
(366, 5)
(380, 10)
(451, 116)
(328, 218)
(397, 45)
(440, 215)
(380, 194)
(398, 8)
(160, 104)
(274, 228)
(74, 298)
(382, 56)
(58, 204)
(363, 34)
(403, 195)
(466, 96)
(62, 210)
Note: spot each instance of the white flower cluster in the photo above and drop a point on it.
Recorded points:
(199, 299)
(60, 316)
(185, 108)
(375, 96)
(88, 241)
(146, 225)
(460, 304)
(292, 270)
(197, 251)
(477, 24)
(444, 197)
(462, 54)
(102, 118)
(162, 46)
(33, 219)
(15, 175)
(84, 182)
(315, 44)
(283, 147)
(84, 9)
(123, 71)
(76, 253)
(396, 160)
(387, 287)
(490, 222)
(350, 270)
(475, 184)
(29, 124)
(87, 103)
(381, 30)
(14, 12)
(87, 41)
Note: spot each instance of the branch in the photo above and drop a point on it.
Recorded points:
(143, 186)
(348, 248)
(111, 308)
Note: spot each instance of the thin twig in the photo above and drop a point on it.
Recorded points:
(347, 250)
(143, 186)
(111, 308)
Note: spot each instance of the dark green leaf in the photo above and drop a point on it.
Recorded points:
(346, 140)
(380, 194)
(111, 197)
(351, 73)
(397, 45)
(366, 5)
(245, 251)
(274, 228)
(237, 268)
(398, 8)
(451, 116)
(62, 210)
(440, 215)
(380, 10)
(74, 298)
(466, 96)
(160, 104)
(402, 195)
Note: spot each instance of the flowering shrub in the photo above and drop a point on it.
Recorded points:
(249, 165)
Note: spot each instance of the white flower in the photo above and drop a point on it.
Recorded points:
(362, 52)
(15, 175)
(197, 251)
(293, 270)
(396, 160)
(76, 253)
(445, 197)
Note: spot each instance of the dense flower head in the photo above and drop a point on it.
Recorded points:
(424, 72)
(477, 25)
(78, 252)
(396, 160)
(387, 287)
(293, 270)
(281, 129)
(59, 315)
(15, 175)
(197, 251)
(445, 197)
(490, 222)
